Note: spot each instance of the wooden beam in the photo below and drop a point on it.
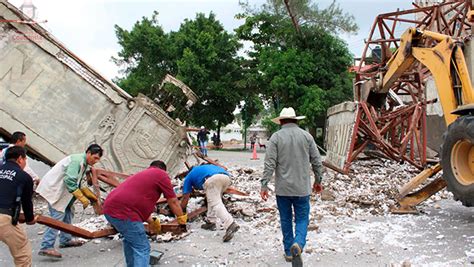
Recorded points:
(409, 202)
(419, 179)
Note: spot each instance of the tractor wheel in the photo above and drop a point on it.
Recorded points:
(457, 159)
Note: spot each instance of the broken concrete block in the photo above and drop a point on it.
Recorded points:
(327, 195)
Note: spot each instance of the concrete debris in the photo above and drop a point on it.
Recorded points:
(470, 256)
(168, 237)
(94, 224)
(371, 189)
(351, 205)
(327, 195)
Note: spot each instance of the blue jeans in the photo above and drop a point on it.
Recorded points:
(135, 241)
(49, 237)
(203, 147)
(300, 205)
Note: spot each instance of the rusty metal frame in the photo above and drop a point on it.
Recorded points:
(400, 132)
(443, 18)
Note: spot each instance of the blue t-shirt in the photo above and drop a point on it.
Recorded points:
(197, 176)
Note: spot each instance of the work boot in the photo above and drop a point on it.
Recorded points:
(209, 226)
(52, 253)
(288, 258)
(297, 260)
(71, 243)
(229, 233)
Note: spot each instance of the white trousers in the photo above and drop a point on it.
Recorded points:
(214, 187)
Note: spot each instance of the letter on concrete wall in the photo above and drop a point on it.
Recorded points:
(17, 73)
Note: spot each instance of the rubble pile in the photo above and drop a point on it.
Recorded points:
(370, 189)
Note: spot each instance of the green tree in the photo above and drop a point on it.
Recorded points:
(201, 54)
(146, 56)
(309, 74)
(331, 19)
(209, 65)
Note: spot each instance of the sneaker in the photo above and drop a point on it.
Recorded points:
(71, 243)
(288, 258)
(52, 253)
(296, 261)
(209, 226)
(229, 233)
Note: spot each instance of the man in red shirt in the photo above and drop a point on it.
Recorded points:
(131, 204)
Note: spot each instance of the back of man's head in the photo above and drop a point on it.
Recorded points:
(17, 137)
(285, 121)
(95, 149)
(14, 152)
(158, 164)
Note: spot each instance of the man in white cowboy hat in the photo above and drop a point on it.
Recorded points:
(289, 153)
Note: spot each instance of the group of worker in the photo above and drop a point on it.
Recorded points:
(289, 153)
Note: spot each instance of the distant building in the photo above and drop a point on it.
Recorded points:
(235, 132)
(262, 133)
(231, 132)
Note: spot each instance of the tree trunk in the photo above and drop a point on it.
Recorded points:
(312, 131)
(219, 132)
(245, 136)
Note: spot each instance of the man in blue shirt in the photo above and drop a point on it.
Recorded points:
(214, 180)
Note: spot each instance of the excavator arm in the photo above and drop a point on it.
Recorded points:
(446, 63)
(445, 60)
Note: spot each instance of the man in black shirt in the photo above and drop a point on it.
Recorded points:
(202, 140)
(16, 182)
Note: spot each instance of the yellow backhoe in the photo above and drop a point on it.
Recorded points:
(445, 60)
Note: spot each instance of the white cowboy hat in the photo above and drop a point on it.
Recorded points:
(287, 113)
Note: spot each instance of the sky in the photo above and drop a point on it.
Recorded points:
(87, 27)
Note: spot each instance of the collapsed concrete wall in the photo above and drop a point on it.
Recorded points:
(63, 105)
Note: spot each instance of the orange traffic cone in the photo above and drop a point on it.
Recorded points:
(254, 154)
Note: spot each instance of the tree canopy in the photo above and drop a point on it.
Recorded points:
(201, 54)
(331, 19)
(307, 71)
(303, 67)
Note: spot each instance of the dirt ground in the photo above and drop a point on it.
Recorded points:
(439, 236)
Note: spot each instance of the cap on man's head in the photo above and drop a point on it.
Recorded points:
(202, 127)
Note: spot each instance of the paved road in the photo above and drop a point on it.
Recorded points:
(438, 237)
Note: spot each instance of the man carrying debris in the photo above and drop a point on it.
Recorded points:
(16, 188)
(19, 139)
(289, 153)
(132, 203)
(61, 186)
(214, 180)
